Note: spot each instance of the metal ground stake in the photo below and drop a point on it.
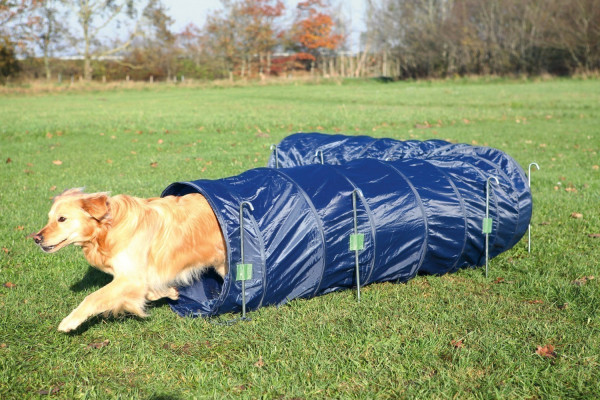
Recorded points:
(319, 153)
(274, 149)
(487, 221)
(357, 242)
(529, 183)
(243, 271)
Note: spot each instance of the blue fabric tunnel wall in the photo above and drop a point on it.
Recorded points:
(513, 191)
(416, 215)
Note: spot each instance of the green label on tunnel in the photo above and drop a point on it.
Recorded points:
(357, 241)
(487, 225)
(244, 272)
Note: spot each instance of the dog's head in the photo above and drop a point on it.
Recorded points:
(74, 218)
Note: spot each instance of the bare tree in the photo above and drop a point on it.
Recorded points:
(95, 16)
(159, 40)
(575, 29)
(191, 40)
(14, 13)
(413, 31)
(223, 35)
(16, 18)
(46, 33)
(446, 37)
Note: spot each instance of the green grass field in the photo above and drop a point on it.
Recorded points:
(455, 336)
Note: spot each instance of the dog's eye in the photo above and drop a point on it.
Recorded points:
(61, 219)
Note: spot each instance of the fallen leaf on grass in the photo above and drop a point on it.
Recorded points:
(260, 363)
(57, 162)
(8, 160)
(424, 125)
(594, 235)
(457, 343)
(571, 190)
(595, 167)
(582, 281)
(52, 390)
(535, 301)
(5, 250)
(546, 351)
(98, 345)
(185, 348)
(52, 188)
(576, 215)
(20, 228)
(168, 346)
(241, 388)
(154, 164)
(3, 345)
(10, 285)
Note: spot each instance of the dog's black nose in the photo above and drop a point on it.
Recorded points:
(38, 238)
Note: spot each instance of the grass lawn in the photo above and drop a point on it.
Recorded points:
(454, 336)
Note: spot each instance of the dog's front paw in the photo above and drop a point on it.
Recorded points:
(68, 324)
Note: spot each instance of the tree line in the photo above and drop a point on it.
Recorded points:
(134, 39)
(456, 37)
(238, 40)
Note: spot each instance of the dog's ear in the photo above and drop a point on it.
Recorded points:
(96, 205)
(69, 192)
(72, 191)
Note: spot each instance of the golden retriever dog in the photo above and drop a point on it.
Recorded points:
(149, 246)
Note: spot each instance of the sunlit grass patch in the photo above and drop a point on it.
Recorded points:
(434, 337)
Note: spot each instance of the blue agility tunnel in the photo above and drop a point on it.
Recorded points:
(301, 232)
(311, 148)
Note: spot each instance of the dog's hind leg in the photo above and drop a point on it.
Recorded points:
(118, 296)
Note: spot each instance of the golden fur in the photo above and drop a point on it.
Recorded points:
(148, 245)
